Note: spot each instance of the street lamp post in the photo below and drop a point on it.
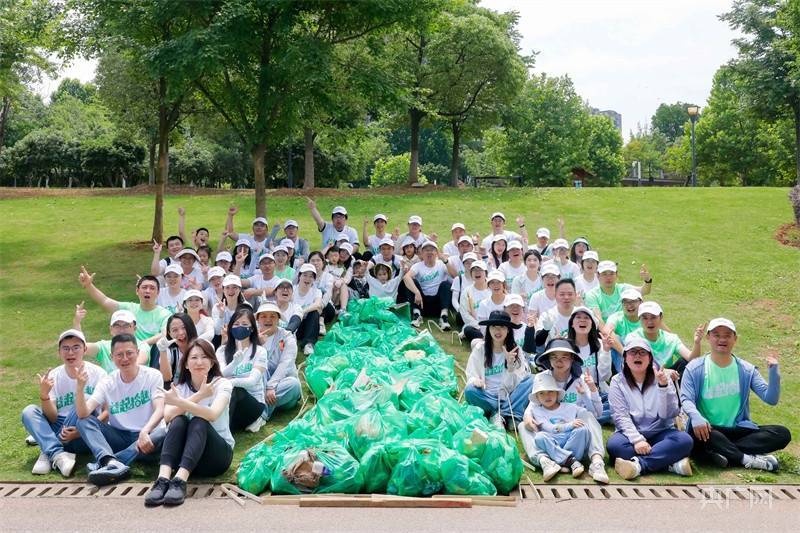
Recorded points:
(693, 111)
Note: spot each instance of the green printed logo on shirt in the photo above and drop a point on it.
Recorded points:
(243, 369)
(430, 277)
(69, 399)
(570, 397)
(719, 401)
(130, 403)
(494, 370)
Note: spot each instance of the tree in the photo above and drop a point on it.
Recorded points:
(475, 69)
(647, 147)
(255, 56)
(670, 119)
(392, 170)
(604, 153)
(768, 61)
(545, 131)
(74, 88)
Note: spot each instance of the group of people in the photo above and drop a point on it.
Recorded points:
(559, 347)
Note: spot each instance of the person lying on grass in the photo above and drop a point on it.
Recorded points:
(53, 423)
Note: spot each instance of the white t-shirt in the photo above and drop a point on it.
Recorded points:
(374, 243)
(493, 376)
(471, 298)
(257, 248)
(243, 367)
(430, 278)
(286, 314)
(196, 274)
(512, 272)
(173, 304)
(258, 282)
(64, 387)
(310, 297)
(222, 388)
(211, 298)
(451, 249)
(130, 405)
(569, 270)
(523, 286)
(510, 235)
(583, 286)
(485, 308)
(553, 322)
(205, 328)
(329, 233)
(540, 303)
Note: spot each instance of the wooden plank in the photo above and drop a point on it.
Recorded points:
(232, 495)
(385, 502)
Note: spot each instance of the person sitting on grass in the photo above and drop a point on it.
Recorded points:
(158, 265)
(555, 321)
(594, 349)
(545, 298)
(283, 269)
(562, 360)
(382, 284)
(232, 299)
(542, 243)
(244, 362)
(514, 267)
(171, 298)
(498, 222)
(530, 282)
(263, 283)
(258, 242)
(121, 322)
(135, 428)
(151, 318)
(498, 376)
(457, 231)
(561, 434)
(496, 301)
(588, 279)
(715, 391)
(644, 405)
(667, 348)
(180, 332)
(52, 423)
(461, 283)
(301, 247)
(471, 297)
(199, 236)
(427, 287)
(191, 274)
(337, 225)
(568, 269)
(372, 243)
(199, 440)
(194, 305)
(606, 299)
(622, 323)
(387, 256)
(414, 232)
(309, 299)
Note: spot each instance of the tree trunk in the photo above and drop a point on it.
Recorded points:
(415, 116)
(151, 163)
(4, 109)
(796, 109)
(162, 172)
(308, 158)
(454, 164)
(258, 154)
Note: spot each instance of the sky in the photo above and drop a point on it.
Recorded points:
(625, 55)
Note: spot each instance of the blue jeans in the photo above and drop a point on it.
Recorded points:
(668, 446)
(47, 433)
(616, 361)
(605, 417)
(561, 447)
(104, 440)
(516, 402)
(288, 394)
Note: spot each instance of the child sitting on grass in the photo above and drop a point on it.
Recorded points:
(560, 433)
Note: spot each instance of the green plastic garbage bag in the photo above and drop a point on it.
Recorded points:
(418, 473)
(319, 469)
(464, 476)
(495, 450)
(380, 424)
(256, 468)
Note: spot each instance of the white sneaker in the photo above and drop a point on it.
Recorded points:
(682, 467)
(30, 441)
(771, 459)
(498, 422)
(65, 463)
(598, 471)
(417, 322)
(322, 329)
(444, 323)
(759, 462)
(42, 465)
(549, 467)
(309, 349)
(256, 425)
(627, 469)
(577, 469)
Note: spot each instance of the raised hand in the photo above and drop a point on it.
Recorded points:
(520, 220)
(83, 376)
(606, 341)
(644, 273)
(433, 237)
(700, 332)
(181, 212)
(232, 210)
(85, 279)
(45, 383)
(157, 247)
(396, 234)
(772, 360)
(661, 376)
(587, 377)
(241, 255)
(511, 356)
(80, 312)
(311, 203)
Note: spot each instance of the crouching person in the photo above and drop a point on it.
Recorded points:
(52, 424)
(199, 439)
(644, 404)
(135, 428)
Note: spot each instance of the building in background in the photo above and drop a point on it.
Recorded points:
(615, 117)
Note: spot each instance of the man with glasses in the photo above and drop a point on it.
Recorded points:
(121, 322)
(135, 428)
(52, 423)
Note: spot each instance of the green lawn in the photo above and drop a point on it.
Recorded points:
(711, 253)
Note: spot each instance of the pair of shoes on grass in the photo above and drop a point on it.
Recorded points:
(166, 492)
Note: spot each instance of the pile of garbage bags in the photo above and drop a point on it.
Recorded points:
(385, 420)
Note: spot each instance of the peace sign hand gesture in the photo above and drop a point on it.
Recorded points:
(512, 356)
(80, 313)
(45, 383)
(587, 377)
(661, 376)
(644, 273)
(85, 279)
(157, 246)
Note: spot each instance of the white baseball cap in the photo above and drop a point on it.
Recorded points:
(268, 308)
(339, 210)
(379, 216)
(630, 294)
(72, 333)
(457, 225)
(429, 244)
(496, 275)
(173, 268)
(408, 240)
(224, 256)
(308, 267)
(232, 279)
(560, 243)
(122, 315)
(187, 251)
(342, 237)
(414, 219)
(279, 248)
(634, 341)
(469, 256)
(606, 266)
(497, 214)
(194, 293)
(465, 238)
(387, 241)
(290, 223)
(550, 268)
(287, 243)
(347, 247)
(259, 219)
(590, 254)
(580, 239)
(241, 242)
(266, 255)
(213, 272)
(499, 237)
(512, 299)
(543, 232)
(721, 322)
(584, 309)
(651, 308)
(478, 264)
(514, 245)
(284, 281)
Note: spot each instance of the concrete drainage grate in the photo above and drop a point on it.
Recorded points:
(658, 492)
(75, 490)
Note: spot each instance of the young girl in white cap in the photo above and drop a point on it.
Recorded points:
(498, 252)
(569, 270)
(381, 283)
(588, 279)
(578, 248)
(530, 281)
(514, 267)
(496, 300)
(232, 298)
(194, 305)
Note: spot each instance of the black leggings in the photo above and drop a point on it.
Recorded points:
(308, 332)
(192, 443)
(244, 409)
(471, 333)
(733, 443)
(329, 312)
(432, 306)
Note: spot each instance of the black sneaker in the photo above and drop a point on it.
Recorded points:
(718, 460)
(155, 495)
(176, 492)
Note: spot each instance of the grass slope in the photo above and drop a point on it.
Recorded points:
(711, 253)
